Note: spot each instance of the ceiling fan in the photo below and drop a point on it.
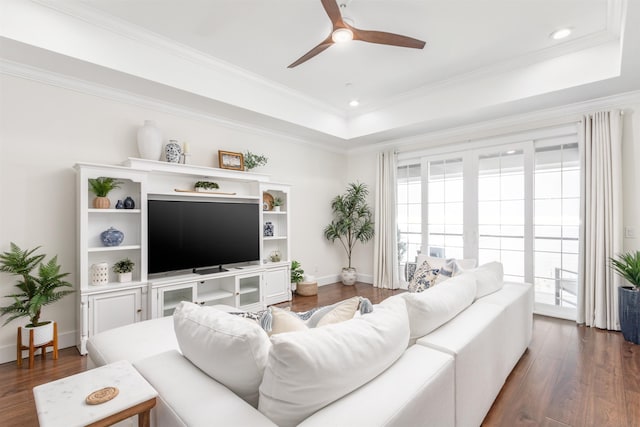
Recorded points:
(342, 31)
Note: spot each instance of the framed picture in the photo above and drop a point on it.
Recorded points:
(229, 160)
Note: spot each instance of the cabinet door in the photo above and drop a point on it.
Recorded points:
(276, 286)
(249, 292)
(169, 297)
(114, 309)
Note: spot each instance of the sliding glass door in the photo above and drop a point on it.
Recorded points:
(515, 203)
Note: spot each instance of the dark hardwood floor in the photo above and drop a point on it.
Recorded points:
(569, 376)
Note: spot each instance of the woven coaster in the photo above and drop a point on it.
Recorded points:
(101, 396)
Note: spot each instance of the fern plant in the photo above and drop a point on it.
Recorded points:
(35, 291)
(103, 185)
(297, 273)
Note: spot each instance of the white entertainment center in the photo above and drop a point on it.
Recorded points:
(250, 286)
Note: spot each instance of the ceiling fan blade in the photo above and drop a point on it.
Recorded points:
(333, 10)
(381, 37)
(313, 52)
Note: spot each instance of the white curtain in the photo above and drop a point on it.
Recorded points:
(385, 253)
(602, 228)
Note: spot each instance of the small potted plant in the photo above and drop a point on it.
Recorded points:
(252, 161)
(124, 267)
(34, 291)
(627, 265)
(297, 273)
(277, 203)
(101, 187)
(206, 186)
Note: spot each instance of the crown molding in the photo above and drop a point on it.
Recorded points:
(51, 78)
(548, 117)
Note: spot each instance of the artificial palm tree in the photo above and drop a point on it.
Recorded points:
(352, 221)
(627, 265)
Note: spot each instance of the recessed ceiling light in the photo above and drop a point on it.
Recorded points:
(560, 34)
(342, 35)
(354, 103)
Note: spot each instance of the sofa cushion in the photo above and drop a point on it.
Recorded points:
(308, 370)
(229, 349)
(285, 321)
(341, 312)
(489, 278)
(188, 398)
(418, 389)
(132, 342)
(439, 304)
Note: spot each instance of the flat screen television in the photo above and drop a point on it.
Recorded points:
(201, 235)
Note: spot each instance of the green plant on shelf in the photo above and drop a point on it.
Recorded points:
(103, 185)
(252, 161)
(123, 266)
(277, 201)
(206, 185)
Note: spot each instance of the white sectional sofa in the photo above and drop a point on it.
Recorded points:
(378, 369)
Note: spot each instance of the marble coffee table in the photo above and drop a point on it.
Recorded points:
(62, 403)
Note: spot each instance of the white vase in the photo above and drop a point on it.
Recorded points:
(150, 141)
(349, 276)
(124, 277)
(41, 334)
(100, 273)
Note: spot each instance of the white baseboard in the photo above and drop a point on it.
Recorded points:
(65, 340)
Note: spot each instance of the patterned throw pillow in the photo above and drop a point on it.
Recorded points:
(448, 270)
(424, 277)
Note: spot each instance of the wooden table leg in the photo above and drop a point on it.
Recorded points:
(144, 418)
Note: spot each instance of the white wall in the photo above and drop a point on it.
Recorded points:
(45, 130)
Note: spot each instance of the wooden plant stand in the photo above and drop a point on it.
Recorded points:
(33, 348)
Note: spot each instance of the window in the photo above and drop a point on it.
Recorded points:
(516, 202)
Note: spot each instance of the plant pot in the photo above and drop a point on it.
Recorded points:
(629, 310)
(101, 203)
(349, 276)
(124, 277)
(41, 334)
(276, 208)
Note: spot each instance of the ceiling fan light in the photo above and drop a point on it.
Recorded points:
(342, 35)
(560, 33)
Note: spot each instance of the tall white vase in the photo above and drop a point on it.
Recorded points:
(150, 141)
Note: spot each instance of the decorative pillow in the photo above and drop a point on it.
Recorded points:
(283, 321)
(306, 372)
(449, 269)
(435, 262)
(343, 311)
(228, 348)
(490, 278)
(424, 277)
(439, 304)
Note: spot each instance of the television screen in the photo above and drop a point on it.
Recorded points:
(191, 235)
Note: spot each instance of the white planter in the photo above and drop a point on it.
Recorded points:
(276, 208)
(150, 141)
(124, 277)
(349, 276)
(41, 334)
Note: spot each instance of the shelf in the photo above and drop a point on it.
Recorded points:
(194, 195)
(275, 238)
(112, 286)
(214, 295)
(274, 213)
(179, 168)
(113, 248)
(248, 290)
(113, 211)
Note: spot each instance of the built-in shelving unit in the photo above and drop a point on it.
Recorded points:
(114, 304)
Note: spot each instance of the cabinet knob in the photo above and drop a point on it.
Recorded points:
(139, 310)
(202, 303)
(237, 293)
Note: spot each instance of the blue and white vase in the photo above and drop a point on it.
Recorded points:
(173, 151)
(268, 229)
(112, 237)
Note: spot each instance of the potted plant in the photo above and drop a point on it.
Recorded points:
(206, 186)
(277, 202)
(101, 187)
(252, 160)
(627, 265)
(297, 273)
(34, 291)
(351, 223)
(124, 267)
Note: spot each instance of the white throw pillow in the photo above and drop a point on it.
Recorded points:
(230, 349)
(285, 321)
(306, 371)
(465, 264)
(343, 311)
(437, 305)
(490, 278)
